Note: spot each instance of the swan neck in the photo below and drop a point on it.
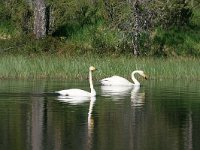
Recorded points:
(136, 82)
(93, 92)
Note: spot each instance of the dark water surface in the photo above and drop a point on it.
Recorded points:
(160, 115)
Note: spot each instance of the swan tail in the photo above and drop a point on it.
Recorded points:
(104, 82)
(63, 92)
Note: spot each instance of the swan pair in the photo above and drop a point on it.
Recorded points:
(111, 81)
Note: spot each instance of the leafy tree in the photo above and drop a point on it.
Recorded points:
(16, 13)
(130, 25)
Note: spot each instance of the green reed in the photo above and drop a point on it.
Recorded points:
(63, 67)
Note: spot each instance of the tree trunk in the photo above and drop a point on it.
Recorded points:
(136, 34)
(40, 19)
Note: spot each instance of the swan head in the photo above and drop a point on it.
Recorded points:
(142, 73)
(92, 68)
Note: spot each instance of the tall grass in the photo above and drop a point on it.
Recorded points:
(60, 67)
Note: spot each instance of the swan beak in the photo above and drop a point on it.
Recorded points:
(95, 69)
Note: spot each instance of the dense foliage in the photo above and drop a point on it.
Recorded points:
(165, 28)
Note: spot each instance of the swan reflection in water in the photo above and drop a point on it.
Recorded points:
(120, 92)
(116, 92)
(90, 120)
(90, 124)
(137, 97)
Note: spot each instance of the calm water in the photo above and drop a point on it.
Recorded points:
(160, 115)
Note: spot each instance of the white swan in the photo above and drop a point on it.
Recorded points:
(78, 92)
(117, 80)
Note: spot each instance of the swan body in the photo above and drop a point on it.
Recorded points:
(76, 93)
(120, 81)
(79, 92)
(115, 80)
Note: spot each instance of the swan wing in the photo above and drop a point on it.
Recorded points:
(116, 80)
(74, 93)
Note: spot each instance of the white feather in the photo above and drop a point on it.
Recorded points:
(79, 92)
(117, 80)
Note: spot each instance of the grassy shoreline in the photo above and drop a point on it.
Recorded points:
(62, 67)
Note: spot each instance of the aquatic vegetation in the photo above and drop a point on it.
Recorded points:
(63, 67)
